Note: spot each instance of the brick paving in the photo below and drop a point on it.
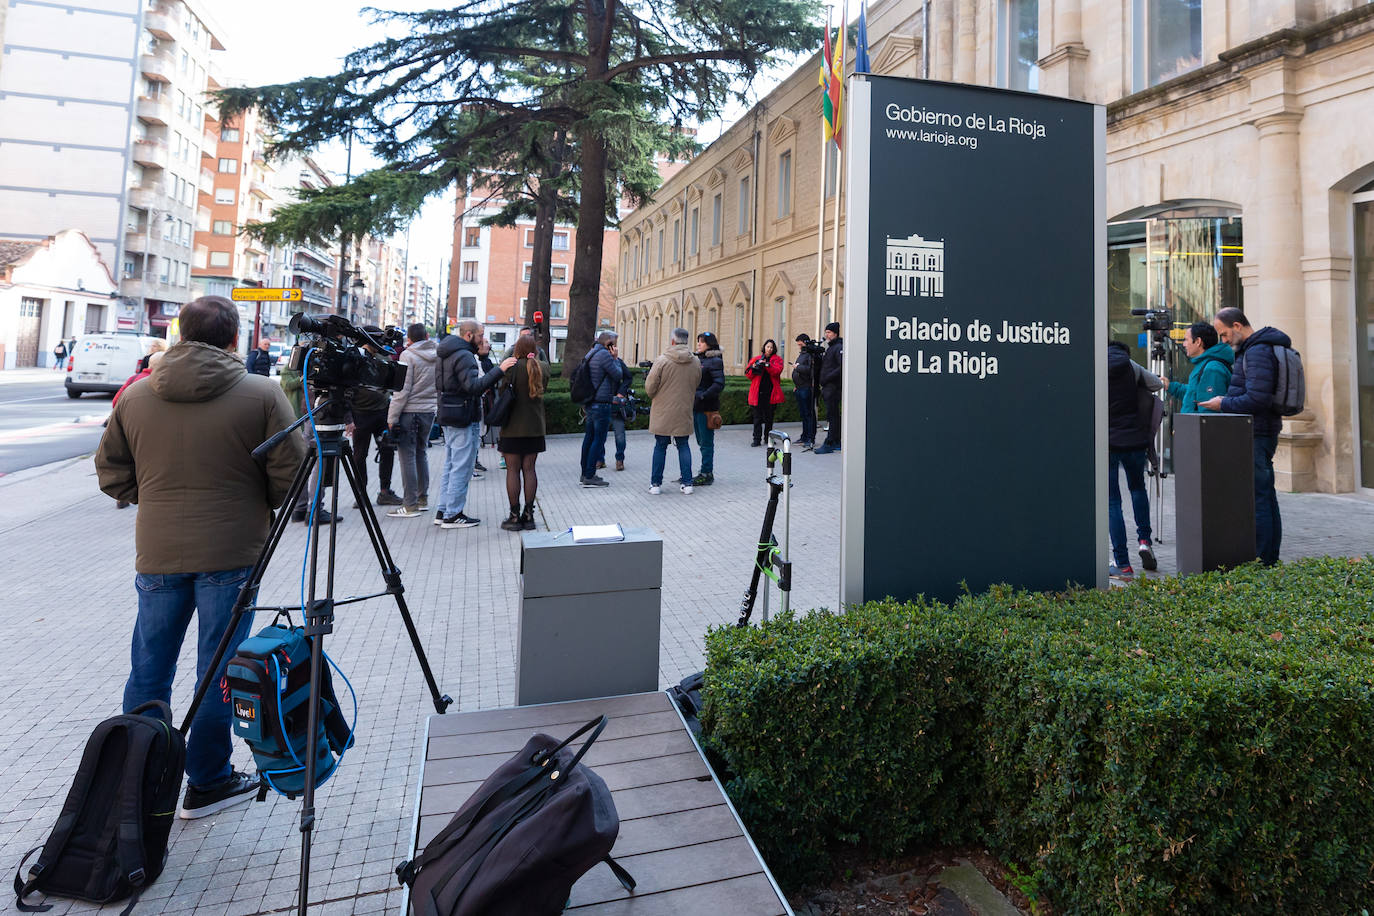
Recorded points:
(67, 614)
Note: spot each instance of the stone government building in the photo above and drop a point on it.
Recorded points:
(1240, 171)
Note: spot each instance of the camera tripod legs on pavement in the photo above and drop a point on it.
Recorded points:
(330, 451)
(772, 560)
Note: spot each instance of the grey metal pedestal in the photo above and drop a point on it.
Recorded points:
(589, 617)
(1214, 490)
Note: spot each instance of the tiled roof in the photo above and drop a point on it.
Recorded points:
(12, 252)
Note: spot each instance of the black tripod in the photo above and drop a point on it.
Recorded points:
(769, 559)
(329, 450)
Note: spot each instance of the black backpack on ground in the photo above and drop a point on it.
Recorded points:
(522, 840)
(580, 387)
(110, 840)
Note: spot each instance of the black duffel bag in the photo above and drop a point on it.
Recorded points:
(517, 846)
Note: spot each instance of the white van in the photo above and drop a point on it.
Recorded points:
(104, 362)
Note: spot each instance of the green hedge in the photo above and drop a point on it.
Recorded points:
(1203, 745)
(561, 415)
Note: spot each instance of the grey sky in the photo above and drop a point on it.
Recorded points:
(270, 41)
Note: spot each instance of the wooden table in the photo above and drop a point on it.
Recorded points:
(679, 836)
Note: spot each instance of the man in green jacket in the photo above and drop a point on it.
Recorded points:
(179, 445)
(1212, 361)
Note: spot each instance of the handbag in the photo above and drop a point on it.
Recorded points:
(714, 420)
(520, 842)
(502, 405)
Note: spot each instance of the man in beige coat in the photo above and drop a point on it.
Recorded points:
(179, 445)
(671, 387)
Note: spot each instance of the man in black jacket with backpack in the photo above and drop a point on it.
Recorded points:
(1254, 381)
(461, 382)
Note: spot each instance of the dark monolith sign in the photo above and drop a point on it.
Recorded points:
(974, 434)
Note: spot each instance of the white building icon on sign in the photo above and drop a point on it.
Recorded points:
(915, 266)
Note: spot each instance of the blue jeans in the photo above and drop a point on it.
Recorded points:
(1134, 464)
(165, 605)
(594, 439)
(806, 404)
(460, 456)
(1268, 524)
(684, 459)
(618, 429)
(411, 449)
(706, 442)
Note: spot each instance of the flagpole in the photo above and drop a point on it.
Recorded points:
(820, 231)
(839, 173)
(820, 221)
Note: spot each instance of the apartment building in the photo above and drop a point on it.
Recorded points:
(490, 271)
(421, 301)
(1240, 171)
(384, 276)
(101, 130)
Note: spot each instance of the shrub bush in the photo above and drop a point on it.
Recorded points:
(561, 415)
(1196, 745)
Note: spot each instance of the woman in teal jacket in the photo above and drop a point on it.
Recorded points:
(1211, 373)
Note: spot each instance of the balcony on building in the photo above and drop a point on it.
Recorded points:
(209, 148)
(136, 287)
(213, 76)
(162, 21)
(315, 253)
(158, 67)
(156, 111)
(151, 153)
(148, 195)
(207, 182)
(139, 241)
(310, 273)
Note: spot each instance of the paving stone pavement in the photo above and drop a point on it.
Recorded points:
(68, 609)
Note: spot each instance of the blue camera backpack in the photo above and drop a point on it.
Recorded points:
(269, 687)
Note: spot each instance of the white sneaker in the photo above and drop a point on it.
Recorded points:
(403, 512)
(654, 491)
(686, 489)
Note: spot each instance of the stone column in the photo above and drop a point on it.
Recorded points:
(1274, 241)
(965, 70)
(1064, 70)
(942, 61)
(1276, 229)
(1327, 363)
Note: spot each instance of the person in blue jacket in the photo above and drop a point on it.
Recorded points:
(1211, 373)
(1253, 381)
(604, 364)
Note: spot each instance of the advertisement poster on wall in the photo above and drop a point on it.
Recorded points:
(974, 431)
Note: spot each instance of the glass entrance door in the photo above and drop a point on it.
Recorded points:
(1364, 332)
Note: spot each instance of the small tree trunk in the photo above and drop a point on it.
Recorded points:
(537, 296)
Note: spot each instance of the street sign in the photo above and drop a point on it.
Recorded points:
(974, 421)
(257, 294)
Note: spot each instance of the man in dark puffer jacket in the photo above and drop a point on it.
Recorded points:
(1253, 380)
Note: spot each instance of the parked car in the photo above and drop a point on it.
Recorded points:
(104, 362)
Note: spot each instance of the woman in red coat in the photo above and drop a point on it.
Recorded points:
(765, 389)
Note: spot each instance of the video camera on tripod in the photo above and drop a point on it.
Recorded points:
(1159, 324)
(338, 360)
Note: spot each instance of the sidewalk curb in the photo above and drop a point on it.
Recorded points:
(39, 470)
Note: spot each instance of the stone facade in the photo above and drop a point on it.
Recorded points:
(1260, 110)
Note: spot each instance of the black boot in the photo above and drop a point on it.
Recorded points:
(527, 518)
(512, 523)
